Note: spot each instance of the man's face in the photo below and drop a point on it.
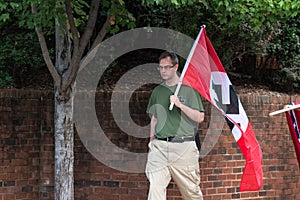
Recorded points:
(167, 69)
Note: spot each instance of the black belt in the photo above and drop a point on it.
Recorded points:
(177, 139)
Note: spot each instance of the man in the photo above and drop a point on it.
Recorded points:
(173, 152)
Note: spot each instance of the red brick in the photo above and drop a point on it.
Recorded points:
(26, 152)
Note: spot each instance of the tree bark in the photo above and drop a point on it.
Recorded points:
(69, 53)
(64, 123)
(64, 148)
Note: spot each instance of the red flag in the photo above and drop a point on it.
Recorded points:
(293, 119)
(206, 74)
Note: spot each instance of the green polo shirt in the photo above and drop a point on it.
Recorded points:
(174, 122)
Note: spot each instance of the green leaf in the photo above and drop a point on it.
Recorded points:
(4, 17)
(121, 2)
(3, 6)
(14, 5)
(223, 19)
(175, 2)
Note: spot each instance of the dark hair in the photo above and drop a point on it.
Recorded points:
(170, 54)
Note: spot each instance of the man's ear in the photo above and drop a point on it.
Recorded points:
(176, 66)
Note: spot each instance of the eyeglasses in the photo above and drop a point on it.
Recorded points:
(167, 67)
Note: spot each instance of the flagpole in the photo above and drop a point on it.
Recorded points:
(284, 110)
(186, 66)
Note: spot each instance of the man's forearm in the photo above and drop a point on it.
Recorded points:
(193, 114)
(152, 127)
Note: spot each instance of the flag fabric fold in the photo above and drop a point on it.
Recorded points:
(293, 120)
(205, 73)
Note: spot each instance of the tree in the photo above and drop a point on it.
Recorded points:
(66, 18)
(71, 46)
(74, 24)
(238, 28)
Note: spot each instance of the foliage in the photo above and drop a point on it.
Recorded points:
(237, 28)
(172, 3)
(52, 11)
(19, 50)
(5, 78)
(8, 7)
(284, 44)
(123, 20)
(19, 53)
(242, 26)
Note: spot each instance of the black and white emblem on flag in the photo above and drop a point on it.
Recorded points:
(225, 99)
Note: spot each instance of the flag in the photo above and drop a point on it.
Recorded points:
(205, 73)
(293, 119)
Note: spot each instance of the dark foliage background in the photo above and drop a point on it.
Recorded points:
(266, 62)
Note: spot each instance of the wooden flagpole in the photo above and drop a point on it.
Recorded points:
(291, 107)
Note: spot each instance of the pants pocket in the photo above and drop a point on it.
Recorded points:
(152, 146)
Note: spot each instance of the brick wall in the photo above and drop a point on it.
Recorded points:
(27, 157)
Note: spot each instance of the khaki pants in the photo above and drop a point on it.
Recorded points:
(179, 161)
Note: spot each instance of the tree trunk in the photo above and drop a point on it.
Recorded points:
(69, 51)
(64, 124)
(64, 154)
